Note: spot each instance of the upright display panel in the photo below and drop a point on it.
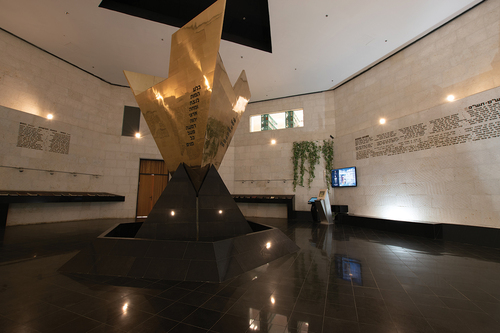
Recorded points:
(345, 177)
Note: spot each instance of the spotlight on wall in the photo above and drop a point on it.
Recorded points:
(138, 135)
(273, 142)
(450, 98)
(50, 116)
(382, 121)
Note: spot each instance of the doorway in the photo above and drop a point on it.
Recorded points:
(153, 178)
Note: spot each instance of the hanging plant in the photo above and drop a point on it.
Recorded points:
(302, 151)
(327, 151)
(313, 155)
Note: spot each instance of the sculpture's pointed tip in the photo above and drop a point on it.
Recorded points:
(141, 82)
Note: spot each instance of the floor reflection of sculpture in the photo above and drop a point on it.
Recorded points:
(195, 231)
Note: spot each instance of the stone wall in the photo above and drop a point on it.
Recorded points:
(433, 160)
(80, 149)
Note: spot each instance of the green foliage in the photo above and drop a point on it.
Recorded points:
(310, 151)
(327, 151)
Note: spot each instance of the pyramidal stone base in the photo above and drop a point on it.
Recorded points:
(206, 239)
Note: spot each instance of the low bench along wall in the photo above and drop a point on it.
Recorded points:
(9, 197)
(288, 200)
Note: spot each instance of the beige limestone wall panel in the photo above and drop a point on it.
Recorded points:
(451, 184)
(33, 84)
(461, 58)
(262, 168)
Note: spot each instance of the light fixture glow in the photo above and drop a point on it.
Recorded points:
(450, 98)
(220, 211)
(273, 300)
(268, 245)
(125, 307)
(50, 116)
(137, 135)
(273, 142)
(172, 213)
(382, 121)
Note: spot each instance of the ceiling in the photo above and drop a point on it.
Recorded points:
(316, 44)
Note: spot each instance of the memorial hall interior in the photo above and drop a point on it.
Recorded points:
(432, 167)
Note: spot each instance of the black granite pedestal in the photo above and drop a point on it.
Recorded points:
(195, 232)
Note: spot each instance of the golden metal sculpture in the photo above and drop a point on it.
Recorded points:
(193, 113)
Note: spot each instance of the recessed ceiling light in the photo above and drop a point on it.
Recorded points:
(273, 142)
(50, 116)
(137, 135)
(450, 98)
(382, 121)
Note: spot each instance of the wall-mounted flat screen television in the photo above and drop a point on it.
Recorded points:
(345, 177)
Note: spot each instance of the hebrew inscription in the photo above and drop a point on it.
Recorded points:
(41, 138)
(476, 122)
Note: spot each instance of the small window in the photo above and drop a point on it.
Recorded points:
(131, 121)
(278, 120)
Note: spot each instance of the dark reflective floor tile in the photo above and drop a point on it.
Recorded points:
(343, 312)
(190, 285)
(409, 308)
(437, 312)
(374, 315)
(287, 291)
(408, 323)
(493, 309)
(415, 288)
(229, 323)
(31, 311)
(448, 326)
(211, 288)
(367, 292)
(377, 328)
(177, 311)
(308, 306)
(447, 292)
(103, 328)
(231, 292)
(54, 319)
(245, 310)
(88, 305)
(174, 293)
(331, 325)
(203, 318)
(344, 299)
(479, 296)
(129, 319)
(368, 302)
(155, 324)
(340, 289)
(425, 299)
(195, 298)
(460, 304)
(274, 316)
(392, 295)
(153, 305)
(257, 326)
(79, 325)
(305, 322)
(184, 328)
(218, 303)
(9, 326)
(478, 321)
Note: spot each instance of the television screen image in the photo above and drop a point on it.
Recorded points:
(345, 177)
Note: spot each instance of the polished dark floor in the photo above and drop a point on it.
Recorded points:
(343, 279)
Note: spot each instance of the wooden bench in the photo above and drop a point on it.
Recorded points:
(8, 197)
(289, 200)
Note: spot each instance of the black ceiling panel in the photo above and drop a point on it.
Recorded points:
(245, 22)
